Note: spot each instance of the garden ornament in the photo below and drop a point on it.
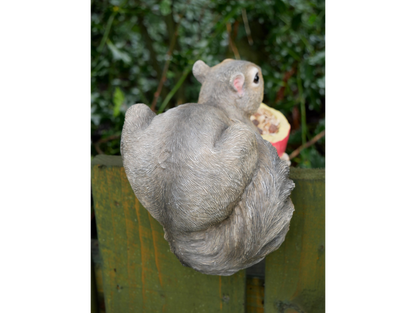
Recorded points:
(204, 172)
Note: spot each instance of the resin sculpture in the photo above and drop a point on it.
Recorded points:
(204, 172)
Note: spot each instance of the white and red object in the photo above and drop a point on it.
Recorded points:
(278, 139)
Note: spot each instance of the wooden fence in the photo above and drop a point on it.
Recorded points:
(140, 274)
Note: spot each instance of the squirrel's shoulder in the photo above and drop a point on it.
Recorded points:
(196, 111)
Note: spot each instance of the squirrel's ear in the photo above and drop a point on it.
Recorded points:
(200, 70)
(237, 82)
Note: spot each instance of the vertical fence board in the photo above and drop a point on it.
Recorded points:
(255, 295)
(140, 274)
(295, 273)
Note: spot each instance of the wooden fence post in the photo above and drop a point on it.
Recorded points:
(140, 274)
(295, 273)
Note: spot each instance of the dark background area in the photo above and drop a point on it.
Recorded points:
(138, 45)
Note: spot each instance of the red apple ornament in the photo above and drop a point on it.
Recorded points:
(273, 127)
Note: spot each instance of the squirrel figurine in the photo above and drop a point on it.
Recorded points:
(203, 171)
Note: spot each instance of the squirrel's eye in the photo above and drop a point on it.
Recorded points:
(256, 78)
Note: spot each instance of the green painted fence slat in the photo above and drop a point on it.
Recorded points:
(140, 274)
(295, 273)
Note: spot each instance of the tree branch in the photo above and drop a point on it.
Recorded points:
(281, 92)
(231, 43)
(103, 140)
(307, 145)
(167, 63)
(247, 27)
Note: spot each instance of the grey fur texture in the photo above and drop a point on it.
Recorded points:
(203, 171)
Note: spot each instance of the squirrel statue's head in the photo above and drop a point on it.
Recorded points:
(229, 83)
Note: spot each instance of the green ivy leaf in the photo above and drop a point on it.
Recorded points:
(165, 7)
(118, 54)
(312, 19)
(280, 6)
(118, 99)
(318, 58)
(321, 82)
(296, 20)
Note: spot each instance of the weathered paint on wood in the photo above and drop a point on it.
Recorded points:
(107, 160)
(255, 295)
(140, 274)
(295, 273)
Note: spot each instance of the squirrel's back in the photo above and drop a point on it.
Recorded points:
(190, 165)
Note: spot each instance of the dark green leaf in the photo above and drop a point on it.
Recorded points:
(296, 21)
(280, 6)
